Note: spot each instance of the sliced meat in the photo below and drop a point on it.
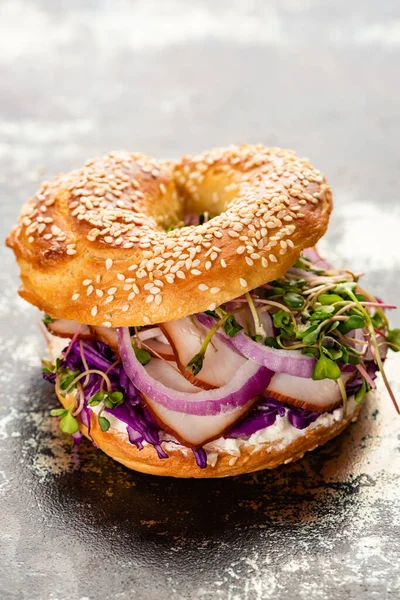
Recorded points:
(319, 396)
(158, 348)
(191, 430)
(220, 361)
(65, 328)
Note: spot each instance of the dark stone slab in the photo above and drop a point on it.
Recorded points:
(81, 78)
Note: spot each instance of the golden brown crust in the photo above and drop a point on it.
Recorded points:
(182, 463)
(92, 245)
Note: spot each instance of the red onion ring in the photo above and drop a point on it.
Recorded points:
(291, 362)
(249, 381)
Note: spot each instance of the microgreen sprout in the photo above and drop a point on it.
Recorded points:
(68, 423)
(317, 310)
(195, 365)
(142, 355)
(108, 400)
(258, 328)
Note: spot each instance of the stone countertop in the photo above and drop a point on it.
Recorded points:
(166, 77)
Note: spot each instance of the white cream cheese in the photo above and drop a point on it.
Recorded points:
(280, 434)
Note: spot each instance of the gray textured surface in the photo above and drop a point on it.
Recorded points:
(167, 77)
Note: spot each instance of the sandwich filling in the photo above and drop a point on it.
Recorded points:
(296, 352)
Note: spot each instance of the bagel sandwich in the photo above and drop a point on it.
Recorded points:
(193, 328)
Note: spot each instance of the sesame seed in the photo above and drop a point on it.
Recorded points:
(120, 276)
(109, 299)
(215, 290)
(75, 297)
(106, 323)
(158, 299)
(240, 249)
(89, 290)
(264, 262)
(70, 251)
(125, 308)
(243, 282)
(94, 311)
(109, 263)
(249, 261)
(111, 291)
(203, 287)
(273, 258)
(99, 293)
(149, 298)
(212, 306)
(86, 281)
(195, 272)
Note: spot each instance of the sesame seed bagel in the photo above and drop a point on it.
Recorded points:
(96, 245)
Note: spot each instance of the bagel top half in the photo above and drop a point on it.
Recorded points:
(98, 245)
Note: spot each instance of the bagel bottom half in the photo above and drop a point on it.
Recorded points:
(181, 461)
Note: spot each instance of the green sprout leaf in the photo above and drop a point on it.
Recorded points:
(393, 337)
(69, 424)
(275, 292)
(142, 355)
(47, 319)
(293, 300)
(257, 338)
(311, 335)
(325, 368)
(301, 264)
(232, 327)
(96, 399)
(313, 352)
(195, 364)
(49, 367)
(377, 320)
(322, 313)
(271, 342)
(353, 360)
(361, 392)
(333, 326)
(114, 399)
(332, 348)
(353, 322)
(66, 378)
(327, 299)
(58, 412)
(283, 322)
(360, 297)
(104, 423)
